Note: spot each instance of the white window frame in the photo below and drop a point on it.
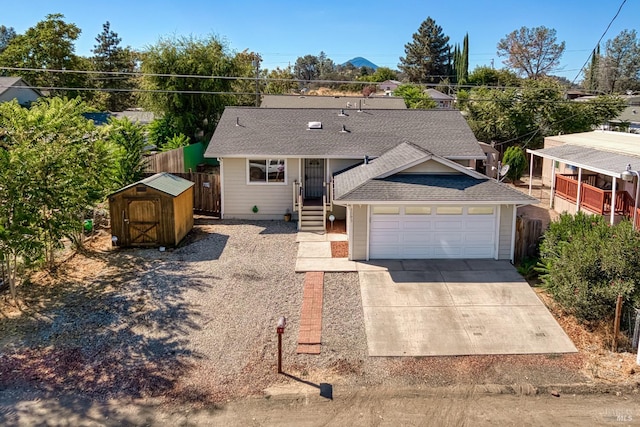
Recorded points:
(266, 181)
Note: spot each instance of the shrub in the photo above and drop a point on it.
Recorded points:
(586, 264)
(517, 161)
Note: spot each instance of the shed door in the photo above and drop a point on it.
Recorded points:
(143, 221)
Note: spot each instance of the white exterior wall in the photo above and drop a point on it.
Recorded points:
(505, 233)
(272, 200)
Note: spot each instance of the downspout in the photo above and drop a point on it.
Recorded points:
(579, 190)
(614, 185)
(350, 230)
(531, 174)
(553, 183)
(221, 162)
(368, 230)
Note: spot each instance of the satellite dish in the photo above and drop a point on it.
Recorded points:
(504, 169)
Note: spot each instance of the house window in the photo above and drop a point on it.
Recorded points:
(267, 171)
(417, 210)
(449, 210)
(386, 210)
(480, 210)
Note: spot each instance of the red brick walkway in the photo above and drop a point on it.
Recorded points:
(309, 339)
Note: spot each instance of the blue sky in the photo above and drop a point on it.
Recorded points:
(377, 30)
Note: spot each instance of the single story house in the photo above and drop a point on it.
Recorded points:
(442, 99)
(404, 180)
(389, 85)
(16, 88)
(584, 172)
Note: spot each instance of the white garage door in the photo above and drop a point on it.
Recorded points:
(418, 232)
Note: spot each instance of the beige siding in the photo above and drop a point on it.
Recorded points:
(465, 163)
(430, 166)
(506, 222)
(336, 165)
(359, 228)
(239, 197)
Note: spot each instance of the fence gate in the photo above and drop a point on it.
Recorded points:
(206, 191)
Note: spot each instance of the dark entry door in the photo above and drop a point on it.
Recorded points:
(143, 221)
(313, 178)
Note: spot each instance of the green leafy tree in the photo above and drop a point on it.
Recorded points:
(194, 103)
(532, 52)
(426, 58)
(176, 141)
(161, 130)
(517, 161)
(586, 263)
(414, 97)
(281, 81)
(487, 76)
(127, 139)
(53, 166)
(247, 64)
(47, 45)
(307, 68)
(109, 56)
(621, 63)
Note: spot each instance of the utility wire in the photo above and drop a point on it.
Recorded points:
(599, 40)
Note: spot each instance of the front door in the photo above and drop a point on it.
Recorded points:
(313, 178)
(143, 219)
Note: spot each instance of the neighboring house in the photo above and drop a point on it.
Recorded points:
(584, 172)
(345, 102)
(389, 85)
(627, 121)
(443, 100)
(135, 116)
(16, 88)
(404, 180)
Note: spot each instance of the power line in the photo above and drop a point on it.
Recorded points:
(599, 40)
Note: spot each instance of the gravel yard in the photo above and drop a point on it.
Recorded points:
(197, 325)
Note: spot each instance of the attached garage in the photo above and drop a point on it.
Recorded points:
(425, 231)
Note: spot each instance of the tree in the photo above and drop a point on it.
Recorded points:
(487, 76)
(591, 74)
(414, 97)
(461, 61)
(195, 104)
(307, 68)
(621, 64)
(110, 57)
(247, 65)
(6, 35)
(49, 45)
(516, 159)
(281, 81)
(53, 166)
(426, 58)
(128, 141)
(532, 52)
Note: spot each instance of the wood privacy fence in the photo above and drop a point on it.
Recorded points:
(528, 233)
(206, 191)
(169, 161)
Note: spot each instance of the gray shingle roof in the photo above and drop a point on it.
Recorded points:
(398, 157)
(165, 182)
(283, 132)
(346, 102)
(606, 162)
(431, 188)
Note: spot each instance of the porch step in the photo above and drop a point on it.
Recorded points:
(311, 219)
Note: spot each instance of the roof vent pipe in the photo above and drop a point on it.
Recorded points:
(359, 106)
(237, 121)
(366, 160)
(342, 114)
(344, 129)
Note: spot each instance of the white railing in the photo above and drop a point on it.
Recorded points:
(324, 212)
(300, 190)
(296, 191)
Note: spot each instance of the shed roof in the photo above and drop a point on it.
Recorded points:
(284, 132)
(164, 182)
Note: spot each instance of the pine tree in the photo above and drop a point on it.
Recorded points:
(427, 56)
(110, 57)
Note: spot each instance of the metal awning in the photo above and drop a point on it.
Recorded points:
(600, 161)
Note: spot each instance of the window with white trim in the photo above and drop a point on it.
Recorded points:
(417, 210)
(449, 210)
(267, 171)
(386, 210)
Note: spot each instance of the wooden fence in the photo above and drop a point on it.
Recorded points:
(528, 233)
(169, 161)
(206, 191)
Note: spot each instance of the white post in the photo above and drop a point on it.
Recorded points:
(579, 190)
(530, 173)
(614, 184)
(553, 183)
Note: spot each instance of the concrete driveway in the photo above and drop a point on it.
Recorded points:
(455, 307)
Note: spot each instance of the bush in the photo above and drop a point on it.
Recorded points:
(517, 161)
(586, 264)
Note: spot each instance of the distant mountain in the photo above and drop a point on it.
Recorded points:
(360, 62)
